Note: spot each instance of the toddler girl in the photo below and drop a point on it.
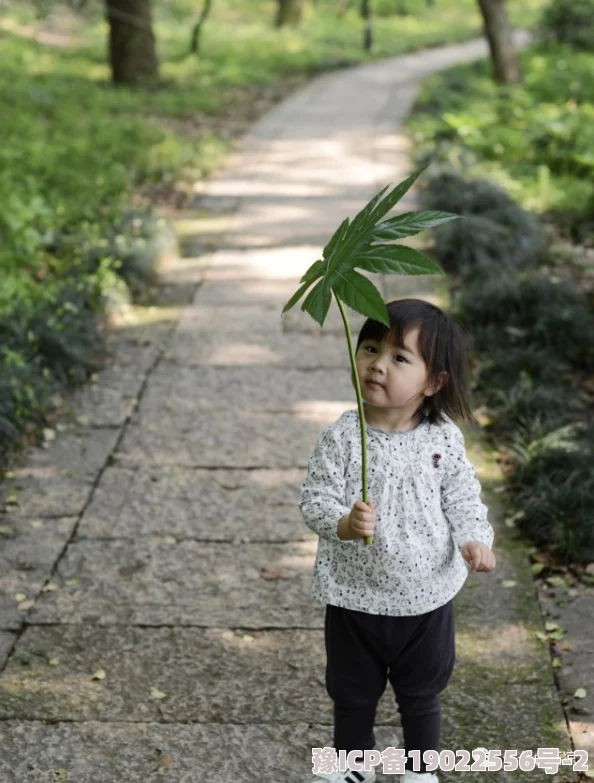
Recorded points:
(389, 605)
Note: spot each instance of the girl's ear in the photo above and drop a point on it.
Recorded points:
(443, 379)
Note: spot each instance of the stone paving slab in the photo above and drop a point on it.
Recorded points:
(266, 264)
(151, 583)
(222, 505)
(211, 390)
(301, 350)
(577, 656)
(56, 481)
(110, 400)
(26, 560)
(238, 677)
(97, 752)
(268, 440)
(100, 752)
(7, 639)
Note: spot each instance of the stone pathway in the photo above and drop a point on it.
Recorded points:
(155, 614)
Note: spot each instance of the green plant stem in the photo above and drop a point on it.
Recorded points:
(368, 539)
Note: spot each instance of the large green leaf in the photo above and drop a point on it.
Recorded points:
(361, 295)
(317, 302)
(316, 270)
(335, 239)
(296, 297)
(396, 259)
(409, 223)
(359, 232)
(394, 196)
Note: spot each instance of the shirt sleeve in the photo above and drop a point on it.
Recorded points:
(461, 496)
(322, 498)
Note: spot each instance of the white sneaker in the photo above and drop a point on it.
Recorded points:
(350, 776)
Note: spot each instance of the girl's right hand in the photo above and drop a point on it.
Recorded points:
(362, 519)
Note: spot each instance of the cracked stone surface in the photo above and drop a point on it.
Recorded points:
(156, 583)
(226, 505)
(26, 560)
(178, 638)
(239, 438)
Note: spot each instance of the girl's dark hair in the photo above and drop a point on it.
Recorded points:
(443, 346)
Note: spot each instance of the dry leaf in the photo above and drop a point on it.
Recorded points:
(99, 675)
(20, 597)
(164, 762)
(580, 693)
(508, 583)
(156, 694)
(267, 573)
(49, 587)
(54, 661)
(247, 638)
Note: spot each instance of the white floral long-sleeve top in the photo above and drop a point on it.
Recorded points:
(427, 503)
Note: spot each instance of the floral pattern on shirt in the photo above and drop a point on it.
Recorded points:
(425, 510)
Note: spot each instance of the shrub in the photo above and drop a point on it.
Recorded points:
(570, 22)
(529, 309)
(553, 483)
(495, 232)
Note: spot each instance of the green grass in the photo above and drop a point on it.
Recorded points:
(77, 152)
(536, 139)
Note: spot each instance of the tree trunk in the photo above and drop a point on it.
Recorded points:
(506, 67)
(195, 41)
(132, 52)
(289, 12)
(368, 33)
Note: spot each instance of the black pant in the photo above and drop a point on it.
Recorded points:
(415, 653)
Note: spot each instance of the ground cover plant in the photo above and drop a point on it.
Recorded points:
(79, 157)
(517, 163)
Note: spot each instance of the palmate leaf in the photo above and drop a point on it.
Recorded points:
(396, 259)
(361, 295)
(407, 224)
(362, 243)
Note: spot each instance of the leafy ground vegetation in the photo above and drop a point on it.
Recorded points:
(82, 164)
(518, 163)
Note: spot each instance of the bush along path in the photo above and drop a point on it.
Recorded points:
(527, 295)
(156, 612)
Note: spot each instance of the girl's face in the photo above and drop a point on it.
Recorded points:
(401, 375)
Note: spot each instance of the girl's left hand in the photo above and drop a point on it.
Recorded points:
(478, 556)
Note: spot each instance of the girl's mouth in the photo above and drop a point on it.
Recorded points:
(374, 385)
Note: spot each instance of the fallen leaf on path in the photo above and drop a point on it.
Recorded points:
(156, 694)
(580, 693)
(99, 675)
(267, 573)
(49, 587)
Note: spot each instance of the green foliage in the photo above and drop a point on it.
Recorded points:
(364, 243)
(532, 309)
(535, 139)
(569, 22)
(495, 234)
(553, 483)
(76, 153)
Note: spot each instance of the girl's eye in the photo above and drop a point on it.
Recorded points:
(397, 356)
